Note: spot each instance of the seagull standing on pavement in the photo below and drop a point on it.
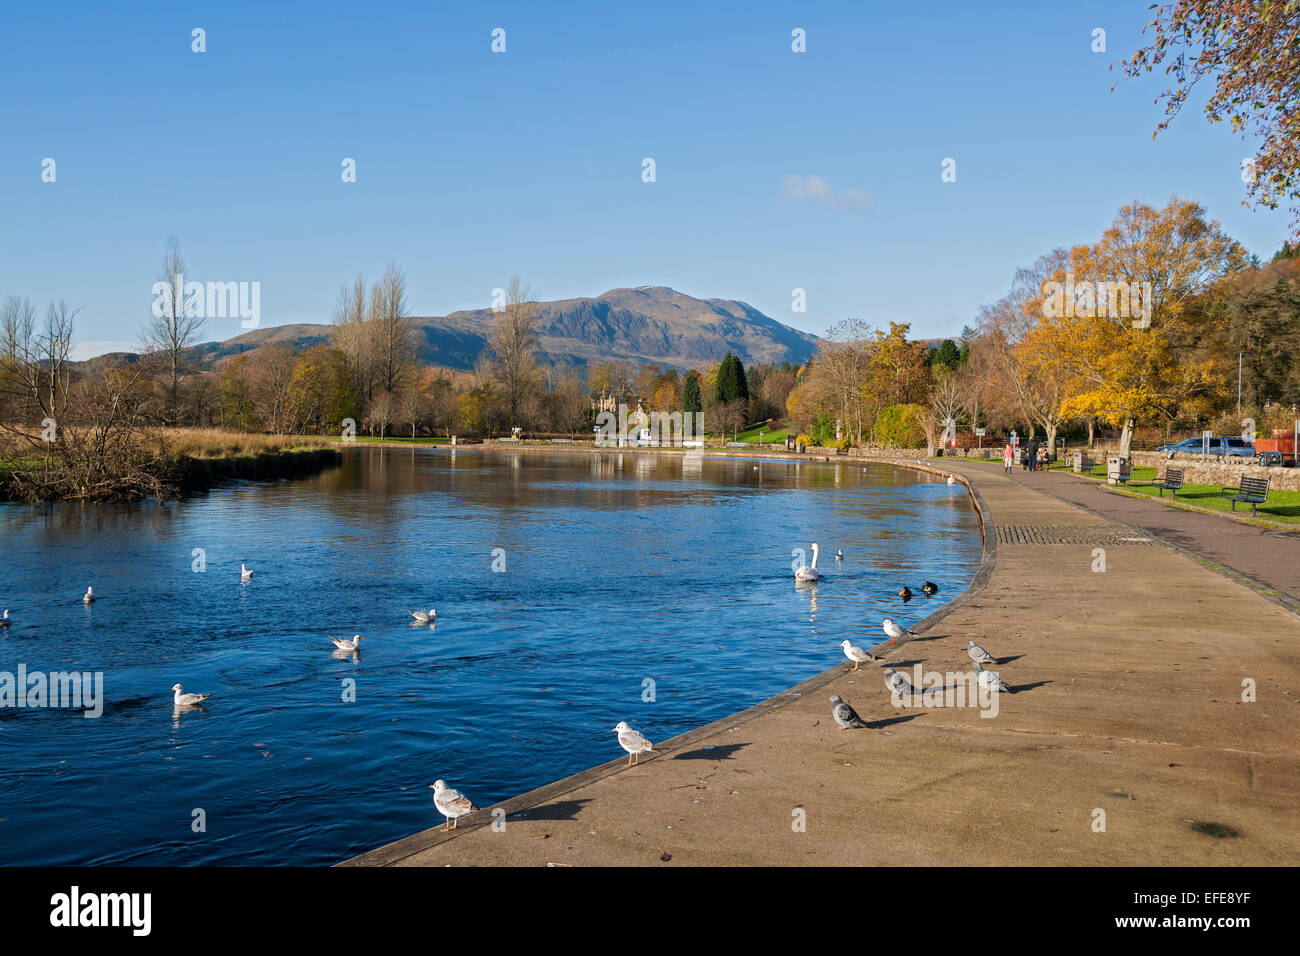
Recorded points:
(450, 803)
(632, 742)
(856, 654)
(894, 632)
(845, 715)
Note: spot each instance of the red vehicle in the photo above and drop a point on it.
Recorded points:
(1278, 450)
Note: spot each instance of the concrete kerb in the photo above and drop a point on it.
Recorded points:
(407, 847)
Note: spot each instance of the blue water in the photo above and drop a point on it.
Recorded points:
(617, 570)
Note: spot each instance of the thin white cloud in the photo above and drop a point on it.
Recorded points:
(819, 190)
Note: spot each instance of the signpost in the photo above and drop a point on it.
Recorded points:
(979, 433)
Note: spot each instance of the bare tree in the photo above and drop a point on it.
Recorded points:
(34, 365)
(173, 328)
(351, 336)
(514, 341)
(391, 330)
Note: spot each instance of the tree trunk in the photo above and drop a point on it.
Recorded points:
(1126, 438)
(1090, 436)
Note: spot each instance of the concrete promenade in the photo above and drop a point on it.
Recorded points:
(1128, 710)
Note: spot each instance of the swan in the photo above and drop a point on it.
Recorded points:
(186, 700)
(809, 572)
(346, 645)
(424, 618)
(89, 596)
(244, 573)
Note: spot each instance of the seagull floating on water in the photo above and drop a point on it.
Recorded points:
(979, 655)
(244, 573)
(894, 632)
(905, 593)
(929, 589)
(856, 654)
(991, 681)
(89, 596)
(845, 715)
(450, 803)
(423, 617)
(631, 741)
(839, 555)
(346, 645)
(4, 621)
(186, 700)
(809, 572)
(952, 480)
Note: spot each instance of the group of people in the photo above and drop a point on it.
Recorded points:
(1034, 458)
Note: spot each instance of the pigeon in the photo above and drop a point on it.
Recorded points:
(979, 655)
(4, 621)
(856, 654)
(244, 573)
(422, 617)
(346, 645)
(186, 700)
(845, 715)
(929, 589)
(89, 596)
(632, 742)
(905, 593)
(894, 632)
(991, 681)
(450, 803)
(898, 683)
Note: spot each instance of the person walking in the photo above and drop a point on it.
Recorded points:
(1031, 453)
(1008, 456)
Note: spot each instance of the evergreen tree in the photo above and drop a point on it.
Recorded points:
(691, 395)
(742, 379)
(730, 380)
(947, 355)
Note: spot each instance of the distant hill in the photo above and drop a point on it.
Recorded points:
(645, 324)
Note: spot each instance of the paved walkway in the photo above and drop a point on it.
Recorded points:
(1127, 736)
(1269, 556)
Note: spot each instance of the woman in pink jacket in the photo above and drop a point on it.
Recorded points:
(1008, 455)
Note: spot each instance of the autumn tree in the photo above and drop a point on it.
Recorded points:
(1124, 364)
(1250, 51)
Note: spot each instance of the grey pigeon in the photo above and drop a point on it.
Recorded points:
(979, 655)
(845, 715)
(898, 683)
(991, 681)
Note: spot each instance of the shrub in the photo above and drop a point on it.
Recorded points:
(900, 425)
(803, 439)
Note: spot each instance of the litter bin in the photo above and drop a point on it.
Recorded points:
(1115, 469)
(1078, 462)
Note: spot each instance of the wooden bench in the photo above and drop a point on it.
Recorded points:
(1170, 481)
(1252, 490)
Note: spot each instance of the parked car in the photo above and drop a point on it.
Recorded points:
(1222, 447)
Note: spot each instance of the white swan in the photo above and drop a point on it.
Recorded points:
(244, 573)
(424, 618)
(809, 572)
(186, 700)
(346, 645)
(89, 596)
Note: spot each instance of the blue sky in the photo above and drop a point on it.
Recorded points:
(473, 165)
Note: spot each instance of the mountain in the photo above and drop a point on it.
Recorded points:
(645, 324)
